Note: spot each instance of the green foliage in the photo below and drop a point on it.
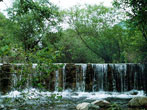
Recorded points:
(73, 50)
(32, 34)
(100, 34)
(44, 59)
(4, 41)
(6, 36)
(137, 13)
(95, 27)
(135, 49)
(115, 107)
(35, 19)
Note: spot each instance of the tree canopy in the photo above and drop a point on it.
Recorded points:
(93, 33)
(137, 13)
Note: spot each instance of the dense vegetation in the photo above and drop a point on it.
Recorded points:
(39, 32)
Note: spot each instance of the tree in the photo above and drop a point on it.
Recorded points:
(137, 15)
(135, 46)
(35, 19)
(6, 36)
(32, 21)
(73, 50)
(95, 26)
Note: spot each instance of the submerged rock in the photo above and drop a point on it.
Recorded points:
(138, 102)
(102, 103)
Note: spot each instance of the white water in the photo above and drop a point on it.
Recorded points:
(34, 93)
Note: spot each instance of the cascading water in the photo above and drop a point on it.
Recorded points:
(92, 77)
(80, 77)
(105, 77)
(84, 66)
(99, 71)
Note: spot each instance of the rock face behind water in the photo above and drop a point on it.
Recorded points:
(138, 102)
(5, 78)
(102, 103)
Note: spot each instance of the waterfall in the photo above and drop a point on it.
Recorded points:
(89, 77)
(108, 77)
(84, 66)
(57, 81)
(80, 77)
(99, 71)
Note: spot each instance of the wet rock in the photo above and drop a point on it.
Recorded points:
(51, 81)
(47, 82)
(134, 92)
(102, 103)
(87, 106)
(2, 107)
(70, 71)
(93, 93)
(83, 106)
(5, 78)
(110, 78)
(60, 79)
(89, 78)
(138, 102)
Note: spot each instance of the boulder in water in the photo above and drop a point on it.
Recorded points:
(138, 102)
(134, 92)
(83, 106)
(102, 103)
(87, 106)
(2, 107)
